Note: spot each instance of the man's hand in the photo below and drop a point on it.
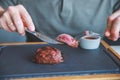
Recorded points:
(15, 19)
(1, 11)
(113, 26)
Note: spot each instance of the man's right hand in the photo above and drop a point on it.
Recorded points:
(16, 19)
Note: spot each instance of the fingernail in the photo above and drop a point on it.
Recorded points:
(107, 34)
(22, 34)
(32, 28)
(114, 39)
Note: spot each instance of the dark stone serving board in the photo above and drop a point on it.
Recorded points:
(16, 62)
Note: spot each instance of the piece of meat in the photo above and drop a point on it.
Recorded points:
(68, 39)
(48, 55)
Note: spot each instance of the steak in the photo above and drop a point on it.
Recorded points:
(67, 39)
(48, 55)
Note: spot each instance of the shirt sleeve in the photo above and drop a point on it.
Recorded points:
(6, 3)
(116, 6)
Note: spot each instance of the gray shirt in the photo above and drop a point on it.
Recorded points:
(53, 17)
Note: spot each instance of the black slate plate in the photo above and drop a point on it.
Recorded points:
(16, 62)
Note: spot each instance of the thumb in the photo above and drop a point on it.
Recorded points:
(108, 28)
(1, 10)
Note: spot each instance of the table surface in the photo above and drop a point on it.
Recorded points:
(83, 77)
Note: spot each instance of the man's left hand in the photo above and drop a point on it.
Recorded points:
(113, 26)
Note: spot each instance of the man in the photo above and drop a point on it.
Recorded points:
(53, 17)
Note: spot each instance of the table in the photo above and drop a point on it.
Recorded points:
(83, 77)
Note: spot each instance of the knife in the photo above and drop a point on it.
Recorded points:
(42, 37)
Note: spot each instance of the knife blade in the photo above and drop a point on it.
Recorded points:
(43, 37)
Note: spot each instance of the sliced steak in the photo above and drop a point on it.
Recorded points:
(68, 39)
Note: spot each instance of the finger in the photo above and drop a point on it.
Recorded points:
(9, 21)
(115, 29)
(0, 24)
(115, 15)
(3, 24)
(14, 14)
(1, 10)
(26, 18)
(110, 22)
